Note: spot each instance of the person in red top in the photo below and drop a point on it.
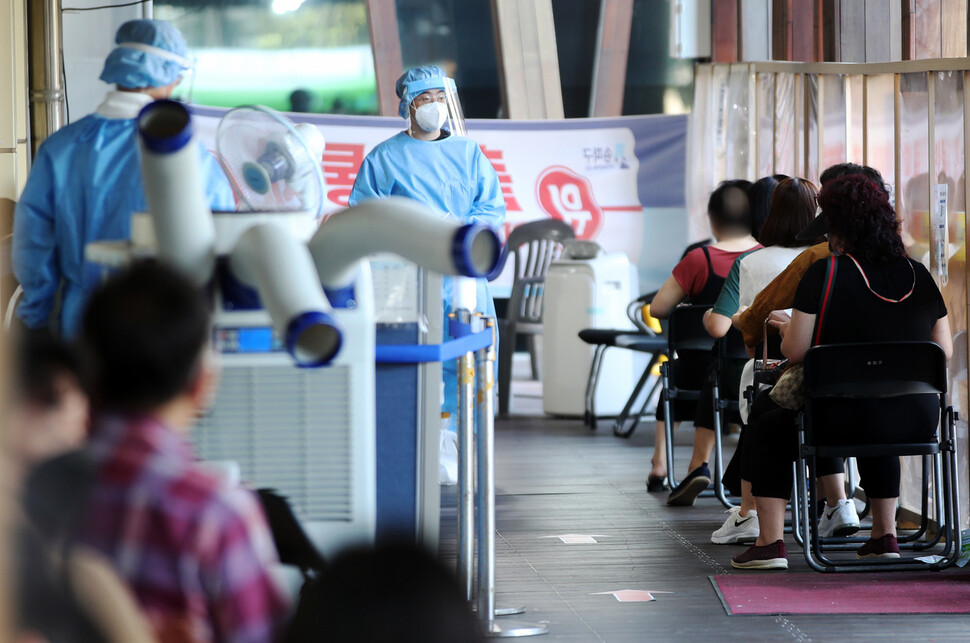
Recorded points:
(698, 279)
(195, 549)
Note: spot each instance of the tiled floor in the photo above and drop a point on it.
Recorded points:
(555, 477)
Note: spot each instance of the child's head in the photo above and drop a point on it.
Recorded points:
(48, 406)
(145, 332)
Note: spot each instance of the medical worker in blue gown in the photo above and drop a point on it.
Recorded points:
(85, 181)
(434, 163)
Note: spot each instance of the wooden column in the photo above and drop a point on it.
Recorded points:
(881, 27)
(612, 51)
(525, 35)
(804, 32)
(831, 37)
(818, 30)
(908, 28)
(724, 31)
(781, 29)
(927, 29)
(954, 28)
(796, 30)
(852, 31)
(386, 44)
(934, 29)
(754, 30)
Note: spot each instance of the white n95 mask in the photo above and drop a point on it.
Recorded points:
(431, 116)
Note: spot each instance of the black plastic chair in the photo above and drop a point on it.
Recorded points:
(644, 340)
(534, 245)
(868, 372)
(686, 335)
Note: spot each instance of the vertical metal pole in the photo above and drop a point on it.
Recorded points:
(485, 501)
(485, 498)
(466, 484)
(46, 44)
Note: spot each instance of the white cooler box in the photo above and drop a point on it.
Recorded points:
(586, 288)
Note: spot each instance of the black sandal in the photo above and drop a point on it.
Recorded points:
(656, 484)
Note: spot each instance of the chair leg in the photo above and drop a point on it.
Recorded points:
(851, 477)
(589, 415)
(796, 507)
(916, 537)
(718, 457)
(535, 350)
(640, 413)
(944, 495)
(668, 424)
(625, 413)
(808, 519)
(505, 351)
(948, 481)
(918, 543)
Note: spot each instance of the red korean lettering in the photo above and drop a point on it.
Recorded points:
(341, 161)
(504, 178)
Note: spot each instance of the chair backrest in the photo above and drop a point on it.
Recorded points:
(893, 382)
(534, 245)
(685, 330)
(690, 352)
(875, 370)
(686, 334)
(731, 346)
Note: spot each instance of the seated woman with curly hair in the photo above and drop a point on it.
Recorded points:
(879, 294)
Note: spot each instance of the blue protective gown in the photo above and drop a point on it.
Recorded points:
(84, 185)
(452, 176)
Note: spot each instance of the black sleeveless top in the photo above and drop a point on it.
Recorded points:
(708, 296)
(712, 288)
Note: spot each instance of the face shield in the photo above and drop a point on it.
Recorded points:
(435, 105)
(186, 87)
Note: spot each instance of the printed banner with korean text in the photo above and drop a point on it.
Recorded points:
(596, 174)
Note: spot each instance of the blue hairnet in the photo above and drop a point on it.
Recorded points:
(150, 53)
(408, 89)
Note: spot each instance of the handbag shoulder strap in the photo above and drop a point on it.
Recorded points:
(827, 286)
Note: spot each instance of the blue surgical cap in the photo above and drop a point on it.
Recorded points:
(149, 53)
(418, 80)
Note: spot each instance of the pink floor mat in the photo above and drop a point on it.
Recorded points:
(946, 592)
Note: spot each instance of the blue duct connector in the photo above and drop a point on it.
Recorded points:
(165, 126)
(341, 297)
(463, 249)
(312, 322)
(270, 259)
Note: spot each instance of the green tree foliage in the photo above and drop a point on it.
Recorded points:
(314, 25)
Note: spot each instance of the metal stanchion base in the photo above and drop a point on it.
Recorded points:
(509, 629)
(504, 611)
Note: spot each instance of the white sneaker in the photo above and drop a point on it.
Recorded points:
(737, 529)
(840, 520)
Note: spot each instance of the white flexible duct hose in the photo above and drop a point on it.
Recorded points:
(268, 258)
(184, 228)
(406, 228)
